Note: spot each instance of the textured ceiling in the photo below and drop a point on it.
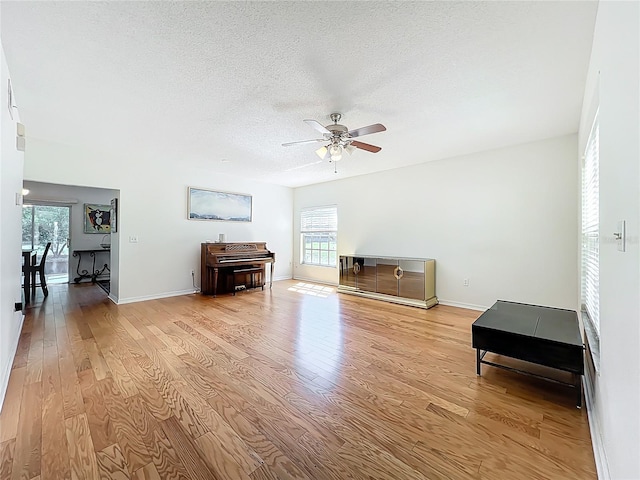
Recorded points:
(221, 85)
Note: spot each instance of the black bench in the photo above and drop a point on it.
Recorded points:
(541, 335)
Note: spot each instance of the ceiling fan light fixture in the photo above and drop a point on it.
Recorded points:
(350, 149)
(322, 152)
(336, 152)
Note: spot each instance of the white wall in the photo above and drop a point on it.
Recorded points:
(504, 219)
(11, 165)
(614, 79)
(153, 205)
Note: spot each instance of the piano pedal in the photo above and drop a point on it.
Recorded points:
(239, 288)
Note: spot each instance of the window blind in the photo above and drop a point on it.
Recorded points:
(319, 219)
(591, 227)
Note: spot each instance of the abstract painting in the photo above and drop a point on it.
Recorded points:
(97, 218)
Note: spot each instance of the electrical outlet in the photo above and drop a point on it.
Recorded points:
(465, 282)
(133, 239)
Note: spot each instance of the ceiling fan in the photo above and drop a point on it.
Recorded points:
(339, 138)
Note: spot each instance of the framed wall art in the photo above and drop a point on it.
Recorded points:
(113, 215)
(10, 100)
(97, 218)
(203, 204)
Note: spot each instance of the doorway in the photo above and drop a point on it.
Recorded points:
(42, 224)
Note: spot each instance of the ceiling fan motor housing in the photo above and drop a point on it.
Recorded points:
(338, 132)
(337, 129)
(338, 135)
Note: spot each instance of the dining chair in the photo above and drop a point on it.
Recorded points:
(39, 269)
(28, 258)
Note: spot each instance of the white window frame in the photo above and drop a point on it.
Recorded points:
(590, 240)
(319, 236)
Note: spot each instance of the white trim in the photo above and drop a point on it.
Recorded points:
(68, 202)
(449, 303)
(469, 306)
(314, 280)
(113, 298)
(4, 383)
(178, 293)
(282, 277)
(593, 339)
(599, 454)
(143, 298)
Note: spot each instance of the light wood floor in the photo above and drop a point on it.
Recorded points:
(297, 382)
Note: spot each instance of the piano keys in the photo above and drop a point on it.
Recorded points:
(222, 263)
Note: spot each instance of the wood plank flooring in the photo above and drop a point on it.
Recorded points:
(296, 382)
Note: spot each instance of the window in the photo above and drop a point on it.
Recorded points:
(590, 232)
(318, 234)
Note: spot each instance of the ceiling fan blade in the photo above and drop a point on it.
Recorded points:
(318, 126)
(366, 146)
(304, 141)
(375, 128)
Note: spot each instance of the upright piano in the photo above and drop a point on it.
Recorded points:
(220, 264)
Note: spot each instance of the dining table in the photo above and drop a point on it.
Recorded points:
(29, 259)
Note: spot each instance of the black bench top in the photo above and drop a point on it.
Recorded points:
(554, 324)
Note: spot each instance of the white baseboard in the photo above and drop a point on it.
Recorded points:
(469, 306)
(314, 280)
(450, 303)
(142, 298)
(122, 301)
(599, 454)
(4, 380)
(282, 277)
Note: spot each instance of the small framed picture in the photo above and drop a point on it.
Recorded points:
(97, 218)
(10, 104)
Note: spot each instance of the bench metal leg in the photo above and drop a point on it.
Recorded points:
(579, 390)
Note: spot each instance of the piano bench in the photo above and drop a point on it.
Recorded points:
(240, 276)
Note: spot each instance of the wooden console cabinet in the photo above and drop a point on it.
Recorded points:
(409, 281)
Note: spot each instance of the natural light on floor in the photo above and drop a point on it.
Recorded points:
(312, 289)
(319, 340)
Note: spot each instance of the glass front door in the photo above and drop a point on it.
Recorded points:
(42, 224)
